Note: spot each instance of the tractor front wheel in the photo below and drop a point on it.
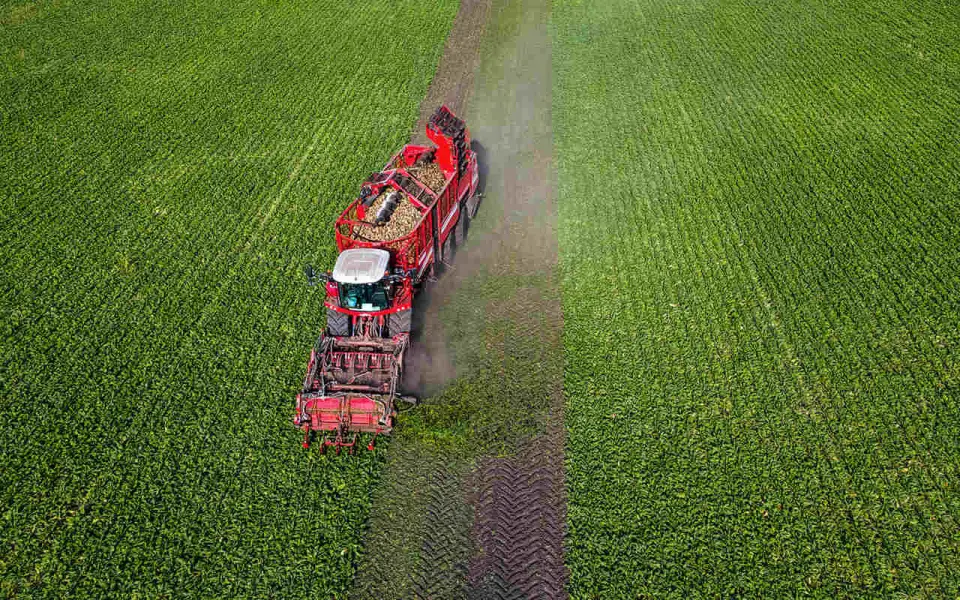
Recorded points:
(338, 324)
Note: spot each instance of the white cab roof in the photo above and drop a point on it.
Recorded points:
(361, 265)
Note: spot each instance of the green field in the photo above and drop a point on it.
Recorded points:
(759, 272)
(760, 246)
(167, 170)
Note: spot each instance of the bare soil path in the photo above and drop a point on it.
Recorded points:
(472, 501)
(453, 82)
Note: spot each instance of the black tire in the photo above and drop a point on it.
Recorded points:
(448, 248)
(400, 322)
(482, 165)
(460, 230)
(338, 324)
(473, 204)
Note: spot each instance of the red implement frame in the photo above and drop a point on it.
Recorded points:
(350, 387)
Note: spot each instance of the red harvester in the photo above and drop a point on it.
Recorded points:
(353, 377)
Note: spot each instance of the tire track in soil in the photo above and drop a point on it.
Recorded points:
(519, 525)
(486, 518)
(519, 500)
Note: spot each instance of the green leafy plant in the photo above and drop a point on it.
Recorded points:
(759, 242)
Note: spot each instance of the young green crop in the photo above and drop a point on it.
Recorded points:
(168, 169)
(760, 241)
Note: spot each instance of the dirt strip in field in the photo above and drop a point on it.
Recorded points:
(472, 502)
(453, 82)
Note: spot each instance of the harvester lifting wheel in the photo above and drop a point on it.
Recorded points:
(338, 324)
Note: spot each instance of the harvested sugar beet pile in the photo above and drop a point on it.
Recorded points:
(430, 174)
(403, 220)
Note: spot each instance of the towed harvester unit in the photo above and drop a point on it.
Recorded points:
(407, 219)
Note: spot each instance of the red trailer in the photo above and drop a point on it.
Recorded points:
(406, 221)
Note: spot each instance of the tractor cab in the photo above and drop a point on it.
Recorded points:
(359, 274)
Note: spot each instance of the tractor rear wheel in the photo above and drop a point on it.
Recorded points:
(338, 324)
(400, 322)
